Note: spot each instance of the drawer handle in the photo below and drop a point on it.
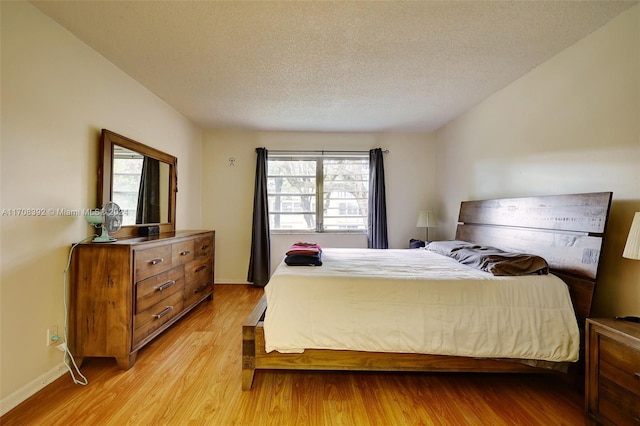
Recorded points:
(636, 375)
(204, 247)
(165, 285)
(200, 268)
(164, 312)
(184, 253)
(156, 261)
(201, 288)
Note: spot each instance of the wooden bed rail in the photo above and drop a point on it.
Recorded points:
(254, 357)
(249, 342)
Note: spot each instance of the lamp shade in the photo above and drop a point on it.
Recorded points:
(632, 248)
(426, 219)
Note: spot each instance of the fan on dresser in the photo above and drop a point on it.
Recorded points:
(109, 218)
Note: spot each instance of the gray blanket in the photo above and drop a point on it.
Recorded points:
(491, 259)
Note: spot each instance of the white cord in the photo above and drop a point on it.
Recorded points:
(67, 352)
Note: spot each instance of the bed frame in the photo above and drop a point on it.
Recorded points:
(566, 230)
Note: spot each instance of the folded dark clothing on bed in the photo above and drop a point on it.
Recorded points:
(303, 260)
(304, 249)
(499, 262)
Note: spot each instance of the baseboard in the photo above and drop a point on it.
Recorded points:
(14, 399)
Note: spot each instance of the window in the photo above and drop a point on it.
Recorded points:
(127, 168)
(321, 194)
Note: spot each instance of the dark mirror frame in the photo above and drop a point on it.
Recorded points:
(105, 167)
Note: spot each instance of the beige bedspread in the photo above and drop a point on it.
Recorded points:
(417, 301)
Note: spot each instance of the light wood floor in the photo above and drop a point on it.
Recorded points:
(192, 375)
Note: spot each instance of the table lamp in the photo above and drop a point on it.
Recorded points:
(632, 251)
(426, 219)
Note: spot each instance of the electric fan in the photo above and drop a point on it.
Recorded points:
(109, 218)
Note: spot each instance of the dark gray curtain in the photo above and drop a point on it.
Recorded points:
(377, 231)
(148, 210)
(259, 263)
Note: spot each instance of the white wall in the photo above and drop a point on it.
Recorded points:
(57, 94)
(227, 191)
(571, 125)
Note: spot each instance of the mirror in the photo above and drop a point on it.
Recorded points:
(141, 180)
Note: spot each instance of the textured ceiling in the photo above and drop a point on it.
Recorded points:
(328, 66)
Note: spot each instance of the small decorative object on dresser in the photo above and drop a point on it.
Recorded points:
(612, 382)
(127, 292)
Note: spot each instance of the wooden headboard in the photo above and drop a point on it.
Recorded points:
(566, 230)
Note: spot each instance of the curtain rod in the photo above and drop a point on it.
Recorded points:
(318, 151)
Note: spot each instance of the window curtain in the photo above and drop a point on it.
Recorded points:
(148, 209)
(259, 262)
(377, 227)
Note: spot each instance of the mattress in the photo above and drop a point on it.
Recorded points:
(416, 301)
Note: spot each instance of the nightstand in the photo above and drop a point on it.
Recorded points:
(612, 382)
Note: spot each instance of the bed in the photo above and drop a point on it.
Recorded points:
(566, 230)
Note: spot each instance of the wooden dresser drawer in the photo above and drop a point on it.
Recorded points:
(183, 252)
(199, 281)
(146, 322)
(621, 364)
(618, 404)
(152, 261)
(153, 289)
(612, 381)
(204, 247)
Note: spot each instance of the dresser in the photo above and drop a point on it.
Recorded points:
(612, 382)
(125, 293)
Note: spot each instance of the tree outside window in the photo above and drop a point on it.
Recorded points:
(321, 194)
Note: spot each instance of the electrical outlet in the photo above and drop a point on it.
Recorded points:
(52, 335)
